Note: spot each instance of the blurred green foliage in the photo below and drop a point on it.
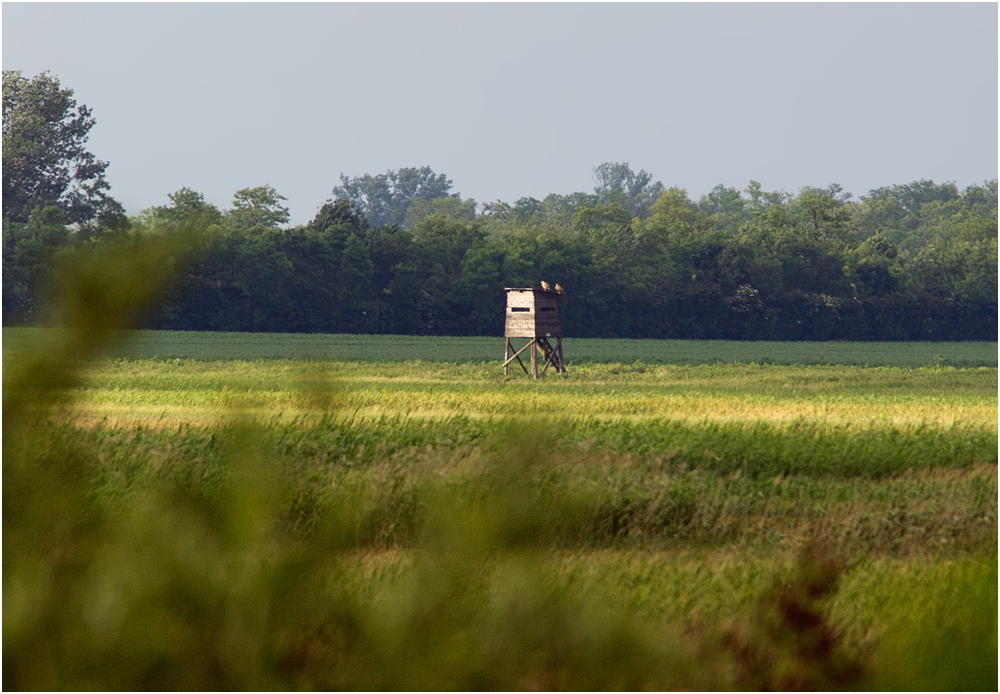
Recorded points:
(943, 638)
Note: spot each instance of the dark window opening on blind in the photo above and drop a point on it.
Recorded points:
(519, 308)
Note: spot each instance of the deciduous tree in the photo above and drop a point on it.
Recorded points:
(258, 207)
(45, 159)
(385, 198)
(616, 183)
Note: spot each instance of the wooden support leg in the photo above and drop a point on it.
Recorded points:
(534, 358)
(506, 356)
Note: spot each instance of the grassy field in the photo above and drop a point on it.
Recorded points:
(394, 513)
(823, 396)
(149, 344)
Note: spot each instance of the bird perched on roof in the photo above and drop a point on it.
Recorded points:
(545, 286)
(559, 289)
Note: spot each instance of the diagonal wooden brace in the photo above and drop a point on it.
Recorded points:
(517, 353)
(550, 355)
(522, 364)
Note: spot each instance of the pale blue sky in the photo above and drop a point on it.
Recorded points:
(514, 100)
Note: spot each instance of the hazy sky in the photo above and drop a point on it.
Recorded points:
(514, 100)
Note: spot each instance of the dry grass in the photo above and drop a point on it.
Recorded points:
(855, 397)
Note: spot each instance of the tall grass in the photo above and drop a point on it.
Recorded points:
(831, 396)
(648, 498)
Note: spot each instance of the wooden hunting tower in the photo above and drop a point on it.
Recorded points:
(534, 314)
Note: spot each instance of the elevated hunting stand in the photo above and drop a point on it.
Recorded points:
(534, 314)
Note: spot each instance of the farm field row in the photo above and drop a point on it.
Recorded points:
(148, 391)
(150, 344)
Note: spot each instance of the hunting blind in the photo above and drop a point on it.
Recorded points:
(533, 314)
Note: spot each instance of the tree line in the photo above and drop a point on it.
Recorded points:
(401, 253)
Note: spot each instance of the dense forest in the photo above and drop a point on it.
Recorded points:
(401, 253)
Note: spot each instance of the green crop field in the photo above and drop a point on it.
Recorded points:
(279, 511)
(166, 344)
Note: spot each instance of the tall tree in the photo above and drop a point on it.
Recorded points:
(258, 207)
(617, 183)
(823, 212)
(185, 205)
(385, 198)
(725, 207)
(44, 154)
